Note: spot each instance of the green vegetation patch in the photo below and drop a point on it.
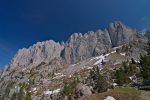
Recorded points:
(119, 94)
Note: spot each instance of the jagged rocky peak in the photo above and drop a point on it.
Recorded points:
(74, 37)
(39, 52)
(117, 24)
(120, 33)
(80, 47)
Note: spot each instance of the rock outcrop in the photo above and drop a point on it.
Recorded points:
(40, 52)
(78, 47)
(41, 68)
(121, 34)
(83, 89)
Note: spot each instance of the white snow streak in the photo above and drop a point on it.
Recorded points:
(110, 98)
(52, 92)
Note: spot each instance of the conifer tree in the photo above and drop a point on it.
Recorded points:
(145, 64)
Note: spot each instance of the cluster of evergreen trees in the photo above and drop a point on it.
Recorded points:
(97, 80)
(70, 88)
(21, 95)
(129, 68)
(122, 74)
(145, 64)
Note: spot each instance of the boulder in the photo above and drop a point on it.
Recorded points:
(83, 89)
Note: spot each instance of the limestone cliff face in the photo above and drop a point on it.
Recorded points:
(40, 52)
(78, 47)
(121, 34)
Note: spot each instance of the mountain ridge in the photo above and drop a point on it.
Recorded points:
(78, 47)
(46, 68)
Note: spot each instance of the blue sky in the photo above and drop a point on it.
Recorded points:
(24, 22)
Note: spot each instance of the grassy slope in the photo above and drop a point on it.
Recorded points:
(121, 94)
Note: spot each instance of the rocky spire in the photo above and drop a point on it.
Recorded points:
(120, 33)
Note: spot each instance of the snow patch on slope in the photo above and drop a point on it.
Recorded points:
(110, 98)
(123, 54)
(52, 92)
(102, 58)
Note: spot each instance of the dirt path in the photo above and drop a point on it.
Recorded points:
(145, 96)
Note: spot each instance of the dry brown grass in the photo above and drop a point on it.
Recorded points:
(120, 94)
(116, 56)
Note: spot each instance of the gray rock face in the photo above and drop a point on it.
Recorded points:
(80, 47)
(85, 90)
(120, 34)
(40, 52)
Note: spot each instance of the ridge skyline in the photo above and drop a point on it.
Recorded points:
(83, 34)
